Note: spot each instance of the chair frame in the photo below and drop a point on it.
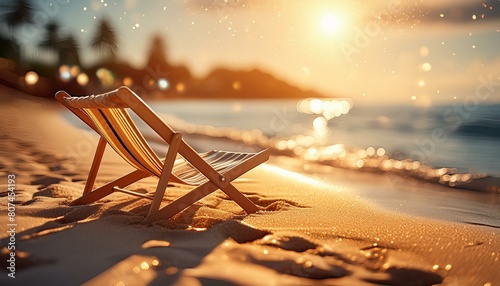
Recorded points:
(126, 98)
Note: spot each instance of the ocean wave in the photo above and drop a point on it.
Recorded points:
(480, 128)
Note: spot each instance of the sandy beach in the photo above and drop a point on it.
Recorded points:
(308, 231)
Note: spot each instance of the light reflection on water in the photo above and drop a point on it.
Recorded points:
(326, 109)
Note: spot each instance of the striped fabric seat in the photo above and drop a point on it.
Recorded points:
(108, 115)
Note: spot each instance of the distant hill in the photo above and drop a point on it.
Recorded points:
(226, 83)
(221, 83)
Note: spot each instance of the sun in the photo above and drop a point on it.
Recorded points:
(330, 23)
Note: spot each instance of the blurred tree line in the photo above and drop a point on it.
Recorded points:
(158, 78)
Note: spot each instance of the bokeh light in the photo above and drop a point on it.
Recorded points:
(424, 51)
(319, 123)
(74, 71)
(426, 67)
(128, 81)
(329, 108)
(82, 79)
(180, 87)
(106, 77)
(236, 85)
(163, 84)
(64, 73)
(31, 78)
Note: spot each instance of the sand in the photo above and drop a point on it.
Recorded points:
(307, 232)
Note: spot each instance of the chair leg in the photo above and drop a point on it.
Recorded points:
(182, 203)
(195, 195)
(165, 173)
(231, 191)
(107, 189)
(239, 198)
(95, 165)
(209, 187)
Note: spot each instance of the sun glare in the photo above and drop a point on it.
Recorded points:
(330, 23)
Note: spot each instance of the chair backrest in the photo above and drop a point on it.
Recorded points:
(109, 117)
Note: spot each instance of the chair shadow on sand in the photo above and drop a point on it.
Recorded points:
(81, 242)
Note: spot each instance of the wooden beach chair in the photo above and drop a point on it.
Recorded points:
(108, 115)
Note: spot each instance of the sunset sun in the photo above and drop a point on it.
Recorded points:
(330, 23)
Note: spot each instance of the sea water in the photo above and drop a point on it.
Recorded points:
(455, 137)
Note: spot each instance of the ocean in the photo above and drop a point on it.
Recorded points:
(451, 144)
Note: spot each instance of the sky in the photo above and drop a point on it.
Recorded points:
(422, 52)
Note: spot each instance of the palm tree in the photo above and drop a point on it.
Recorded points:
(157, 55)
(68, 49)
(105, 40)
(51, 41)
(16, 13)
(65, 49)
(8, 48)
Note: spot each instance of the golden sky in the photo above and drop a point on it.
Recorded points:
(419, 52)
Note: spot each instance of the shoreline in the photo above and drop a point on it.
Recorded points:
(309, 230)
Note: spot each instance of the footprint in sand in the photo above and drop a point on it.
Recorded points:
(301, 257)
(24, 192)
(267, 203)
(46, 180)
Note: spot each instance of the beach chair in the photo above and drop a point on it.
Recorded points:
(108, 115)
